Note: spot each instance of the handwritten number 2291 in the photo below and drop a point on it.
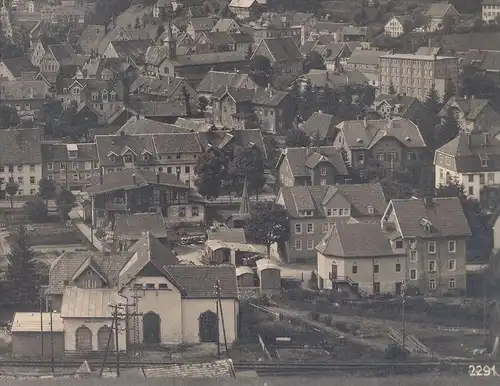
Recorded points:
(482, 371)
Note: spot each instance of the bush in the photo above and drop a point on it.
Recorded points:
(35, 210)
(313, 281)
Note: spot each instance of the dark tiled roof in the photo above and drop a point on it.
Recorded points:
(446, 216)
(170, 108)
(361, 196)
(343, 240)
(20, 146)
(282, 49)
(402, 100)
(319, 124)
(357, 136)
(59, 152)
(132, 225)
(124, 180)
(118, 144)
(258, 96)
(439, 10)
(65, 55)
(218, 38)
(65, 266)
(482, 59)
(210, 58)
(135, 49)
(235, 235)
(202, 23)
(148, 126)
(244, 138)
(177, 143)
(23, 90)
(19, 65)
(302, 159)
(154, 86)
(470, 108)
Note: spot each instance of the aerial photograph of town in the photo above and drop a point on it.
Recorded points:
(249, 192)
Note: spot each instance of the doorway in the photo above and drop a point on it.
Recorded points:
(83, 337)
(399, 285)
(209, 327)
(103, 335)
(151, 328)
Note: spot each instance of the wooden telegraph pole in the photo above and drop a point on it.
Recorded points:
(403, 323)
(218, 289)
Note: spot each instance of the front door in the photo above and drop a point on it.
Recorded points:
(334, 271)
(209, 327)
(83, 338)
(151, 328)
(398, 288)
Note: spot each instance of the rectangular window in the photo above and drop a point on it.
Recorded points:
(298, 245)
(376, 267)
(163, 286)
(481, 179)
(20, 180)
(323, 171)
(169, 169)
(128, 158)
(182, 211)
(329, 212)
(63, 166)
(32, 180)
(310, 244)
(298, 229)
(325, 227)
(310, 228)
(432, 284)
(150, 286)
(471, 177)
(354, 269)
(452, 246)
(413, 256)
(398, 267)
(50, 177)
(341, 212)
(452, 264)
(413, 274)
(432, 265)
(2, 169)
(431, 247)
(186, 169)
(75, 177)
(452, 283)
(471, 190)
(399, 244)
(491, 178)
(32, 168)
(376, 287)
(194, 211)
(19, 168)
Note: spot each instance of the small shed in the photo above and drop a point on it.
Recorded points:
(31, 331)
(220, 252)
(246, 277)
(269, 275)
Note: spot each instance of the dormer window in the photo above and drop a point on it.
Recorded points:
(484, 161)
(112, 157)
(128, 158)
(76, 90)
(105, 96)
(145, 157)
(370, 209)
(112, 95)
(95, 96)
(307, 213)
(72, 154)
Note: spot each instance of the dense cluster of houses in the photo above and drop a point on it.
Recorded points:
(154, 99)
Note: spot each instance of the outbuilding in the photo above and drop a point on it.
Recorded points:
(269, 275)
(31, 335)
(246, 277)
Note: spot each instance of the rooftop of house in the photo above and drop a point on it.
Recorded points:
(426, 50)
(321, 78)
(362, 197)
(164, 86)
(364, 134)
(402, 18)
(244, 138)
(258, 96)
(231, 235)
(302, 159)
(433, 217)
(366, 57)
(65, 55)
(281, 49)
(137, 125)
(439, 10)
(132, 225)
(201, 23)
(460, 43)
(395, 100)
(482, 59)
(197, 125)
(90, 38)
(59, 152)
(469, 107)
(99, 67)
(242, 3)
(19, 65)
(343, 240)
(155, 55)
(128, 179)
(320, 125)
(352, 30)
(417, 57)
(150, 109)
(23, 90)
(20, 147)
(328, 26)
(213, 80)
(154, 144)
(134, 49)
(224, 24)
(88, 302)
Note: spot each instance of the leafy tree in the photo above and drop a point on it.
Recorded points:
(261, 68)
(247, 163)
(449, 90)
(35, 210)
(8, 117)
(314, 61)
(359, 17)
(209, 171)
(308, 102)
(21, 37)
(474, 83)
(47, 191)
(11, 189)
(65, 201)
(186, 97)
(202, 103)
(449, 129)
(297, 138)
(407, 26)
(392, 89)
(23, 282)
(269, 224)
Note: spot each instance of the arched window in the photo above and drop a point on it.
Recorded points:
(376, 267)
(104, 335)
(83, 339)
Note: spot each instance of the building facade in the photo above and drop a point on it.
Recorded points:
(490, 10)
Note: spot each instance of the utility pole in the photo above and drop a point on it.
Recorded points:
(51, 339)
(116, 342)
(218, 288)
(41, 327)
(403, 290)
(110, 337)
(218, 333)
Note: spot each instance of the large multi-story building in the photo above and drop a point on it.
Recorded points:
(473, 159)
(21, 159)
(491, 10)
(414, 75)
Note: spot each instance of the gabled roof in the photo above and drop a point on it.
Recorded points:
(470, 108)
(244, 138)
(154, 86)
(19, 65)
(242, 3)
(223, 25)
(133, 49)
(445, 215)
(201, 23)
(303, 159)
(133, 225)
(258, 96)
(89, 264)
(20, 147)
(281, 49)
(320, 124)
(90, 38)
(343, 240)
(439, 10)
(88, 302)
(136, 125)
(213, 80)
(65, 55)
(361, 196)
(366, 57)
(483, 60)
(403, 101)
(124, 180)
(357, 136)
(168, 108)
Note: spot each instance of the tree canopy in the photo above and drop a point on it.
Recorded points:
(297, 138)
(210, 172)
(247, 163)
(314, 61)
(8, 117)
(35, 210)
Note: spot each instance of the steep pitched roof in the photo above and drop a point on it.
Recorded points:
(357, 136)
(155, 86)
(470, 108)
(366, 57)
(137, 125)
(213, 80)
(168, 108)
(20, 147)
(281, 49)
(361, 197)
(439, 10)
(320, 124)
(244, 138)
(242, 3)
(23, 90)
(90, 38)
(445, 215)
(404, 101)
(343, 240)
(134, 49)
(132, 225)
(302, 159)
(201, 23)
(65, 55)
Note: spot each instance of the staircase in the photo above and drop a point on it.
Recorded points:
(347, 285)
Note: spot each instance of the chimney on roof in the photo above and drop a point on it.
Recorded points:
(157, 177)
(134, 179)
